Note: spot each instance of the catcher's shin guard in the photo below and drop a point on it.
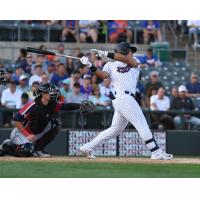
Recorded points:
(48, 136)
(17, 150)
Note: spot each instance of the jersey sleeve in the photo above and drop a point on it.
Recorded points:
(23, 113)
(58, 107)
(106, 68)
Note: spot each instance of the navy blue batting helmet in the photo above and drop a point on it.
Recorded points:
(124, 47)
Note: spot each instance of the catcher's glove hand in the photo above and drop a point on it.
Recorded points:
(86, 106)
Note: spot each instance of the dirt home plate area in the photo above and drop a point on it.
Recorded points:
(66, 159)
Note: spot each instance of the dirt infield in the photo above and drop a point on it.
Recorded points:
(67, 159)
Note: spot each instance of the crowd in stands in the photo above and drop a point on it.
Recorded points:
(86, 31)
(77, 83)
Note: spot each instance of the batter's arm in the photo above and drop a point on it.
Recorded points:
(128, 59)
(102, 74)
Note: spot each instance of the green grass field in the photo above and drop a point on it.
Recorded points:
(42, 169)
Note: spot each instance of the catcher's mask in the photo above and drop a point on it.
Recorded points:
(49, 88)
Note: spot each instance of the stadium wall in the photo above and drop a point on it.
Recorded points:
(179, 143)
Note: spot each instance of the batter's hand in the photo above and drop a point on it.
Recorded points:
(85, 61)
(99, 53)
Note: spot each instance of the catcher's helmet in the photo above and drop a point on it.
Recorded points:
(124, 47)
(49, 88)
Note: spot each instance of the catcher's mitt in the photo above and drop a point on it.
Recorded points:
(86, 106)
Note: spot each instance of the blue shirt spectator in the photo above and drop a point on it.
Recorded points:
(153, 25)
(86, 88)
(193, 87)
(60, 75)
(152, 31)
(150, 59)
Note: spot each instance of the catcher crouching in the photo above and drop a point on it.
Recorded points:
(35, 126)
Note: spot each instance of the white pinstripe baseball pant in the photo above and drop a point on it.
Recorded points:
(126, 110)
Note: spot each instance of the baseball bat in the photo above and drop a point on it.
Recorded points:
(44, 52)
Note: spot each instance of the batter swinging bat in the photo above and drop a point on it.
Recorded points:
(39, 51)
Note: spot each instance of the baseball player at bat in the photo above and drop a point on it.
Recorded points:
(35, 124)
(123, 73)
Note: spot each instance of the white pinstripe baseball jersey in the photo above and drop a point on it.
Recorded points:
(123, 77)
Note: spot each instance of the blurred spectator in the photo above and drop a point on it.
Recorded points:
(182, 102)
(10, 96)
(56, 61)
(69, 30)
(112, 31)
(18, 72)
(23, 83)
(98, 99)
(9, 75)
(102, 30)
(194, 29)
(30, 64)
(88, 30)
(21, 60)
(51, 70)
(135, 32)
(22, 101)
(130, 30)
(71, 66)
(139, 94)
(122, 26)
(37, 76)
(31, 93)
(86, 88)
(65, 89)
(43, 61)
(61, 75)
(161, 102)
(76, 52)
(117, 30)
(43, 47)
(75, 96)
(152, 31)
(140, 88)
(105, 87)
(44, 78)
(150, 59)
(193, 87)
(174, 94)
(154, 81)
(84, 70)
(95, 80)
(146, 99)
(75, 78)
(61, 50)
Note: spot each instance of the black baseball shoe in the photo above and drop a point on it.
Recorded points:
(41, 154)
